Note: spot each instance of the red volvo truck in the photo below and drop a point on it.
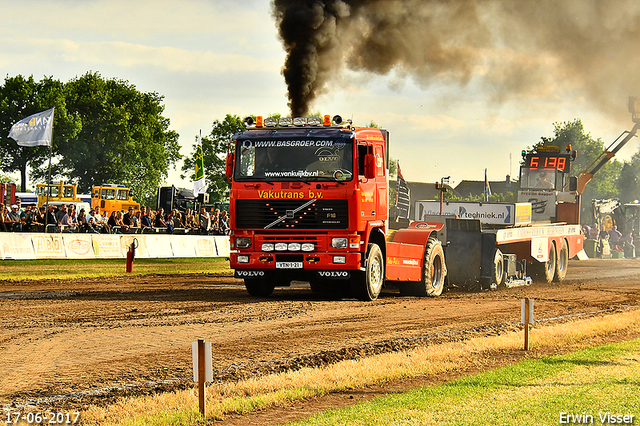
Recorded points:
(309, 202)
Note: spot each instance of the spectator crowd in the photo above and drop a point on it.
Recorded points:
(66, 218)
(610, 241)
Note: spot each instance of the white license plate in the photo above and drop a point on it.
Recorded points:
(288, 265)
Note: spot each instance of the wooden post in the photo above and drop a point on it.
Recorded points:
(201, 375)
(526, 319)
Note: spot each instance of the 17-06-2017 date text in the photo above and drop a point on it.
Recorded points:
(41, 418)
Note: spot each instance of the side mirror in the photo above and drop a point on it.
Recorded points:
(573, 183)
(229, 169)
(369, 166)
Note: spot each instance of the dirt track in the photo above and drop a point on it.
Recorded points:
(59, 337)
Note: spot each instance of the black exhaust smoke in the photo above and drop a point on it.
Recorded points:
(514, 49)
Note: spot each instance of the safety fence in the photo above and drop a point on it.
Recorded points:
(22, 246)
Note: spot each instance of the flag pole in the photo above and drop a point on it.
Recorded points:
(46, 208)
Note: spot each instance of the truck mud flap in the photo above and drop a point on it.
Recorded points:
(463, 252)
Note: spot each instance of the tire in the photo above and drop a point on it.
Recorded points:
(259, 287)
(367, 286)
(562, 262)
(545, 271)
(499, 273)
(318, 286)
(434, 272)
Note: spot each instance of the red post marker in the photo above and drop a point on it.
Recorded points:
(131, 254)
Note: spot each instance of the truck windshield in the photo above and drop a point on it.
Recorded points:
(539, 178)
(303, 159)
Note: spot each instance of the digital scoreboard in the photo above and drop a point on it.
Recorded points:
(548, 160)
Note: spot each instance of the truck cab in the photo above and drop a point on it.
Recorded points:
(546, 183)
(309, 201)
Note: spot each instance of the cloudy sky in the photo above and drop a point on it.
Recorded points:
(209, 58)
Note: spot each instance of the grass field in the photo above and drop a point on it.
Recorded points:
(19, 270)
(588, 386)
(598, 379)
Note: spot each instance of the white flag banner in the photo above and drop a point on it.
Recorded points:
(34, 130)
(198, 182)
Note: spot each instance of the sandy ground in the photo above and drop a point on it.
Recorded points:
(99, 338)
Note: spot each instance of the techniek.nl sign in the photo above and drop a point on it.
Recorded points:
(489, 213)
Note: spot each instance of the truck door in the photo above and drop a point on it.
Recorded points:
(382, 193)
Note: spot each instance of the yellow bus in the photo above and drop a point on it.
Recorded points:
(112, 198)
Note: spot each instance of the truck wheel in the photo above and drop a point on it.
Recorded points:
(434, 269)
(498, 269)
(562, 262)
(434, 272)
(367, 286)
(259, 287)
(545, 271)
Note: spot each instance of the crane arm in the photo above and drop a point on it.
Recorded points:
(585, 176)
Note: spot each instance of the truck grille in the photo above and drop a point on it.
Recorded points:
(322, 214)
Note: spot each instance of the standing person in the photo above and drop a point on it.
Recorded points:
(100, 221)
(205, 221)
(19, 204)
(27, 217)
(38, 218)
(83, 225)
(629, 247)
(223, 227)
(614, 238)
(126, 219)
(215, 221)
(51, 220)
(159, 220)
(61, 212)
(13, 221)
(73, 219)
(135, 222)
(145, 219)
(3, 216)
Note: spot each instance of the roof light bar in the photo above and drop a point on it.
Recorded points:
(314, 121)
(270, 122)
(299, 121)
(285, 122)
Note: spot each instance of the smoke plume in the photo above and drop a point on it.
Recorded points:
(515, 49)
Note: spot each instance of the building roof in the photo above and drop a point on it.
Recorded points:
(476, 187)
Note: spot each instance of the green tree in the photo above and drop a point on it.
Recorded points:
(123, 137)
(629, 180)
(21, 97)
(214, 150)
(604, 183)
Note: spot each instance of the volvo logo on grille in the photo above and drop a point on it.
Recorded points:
(334, 274)
(290, 214)
(248, 274)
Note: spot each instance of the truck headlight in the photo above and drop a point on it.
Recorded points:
(243, 258)
(308, 247)
(267, 247)
(339, 259)
(339, 243)
(243, 242)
